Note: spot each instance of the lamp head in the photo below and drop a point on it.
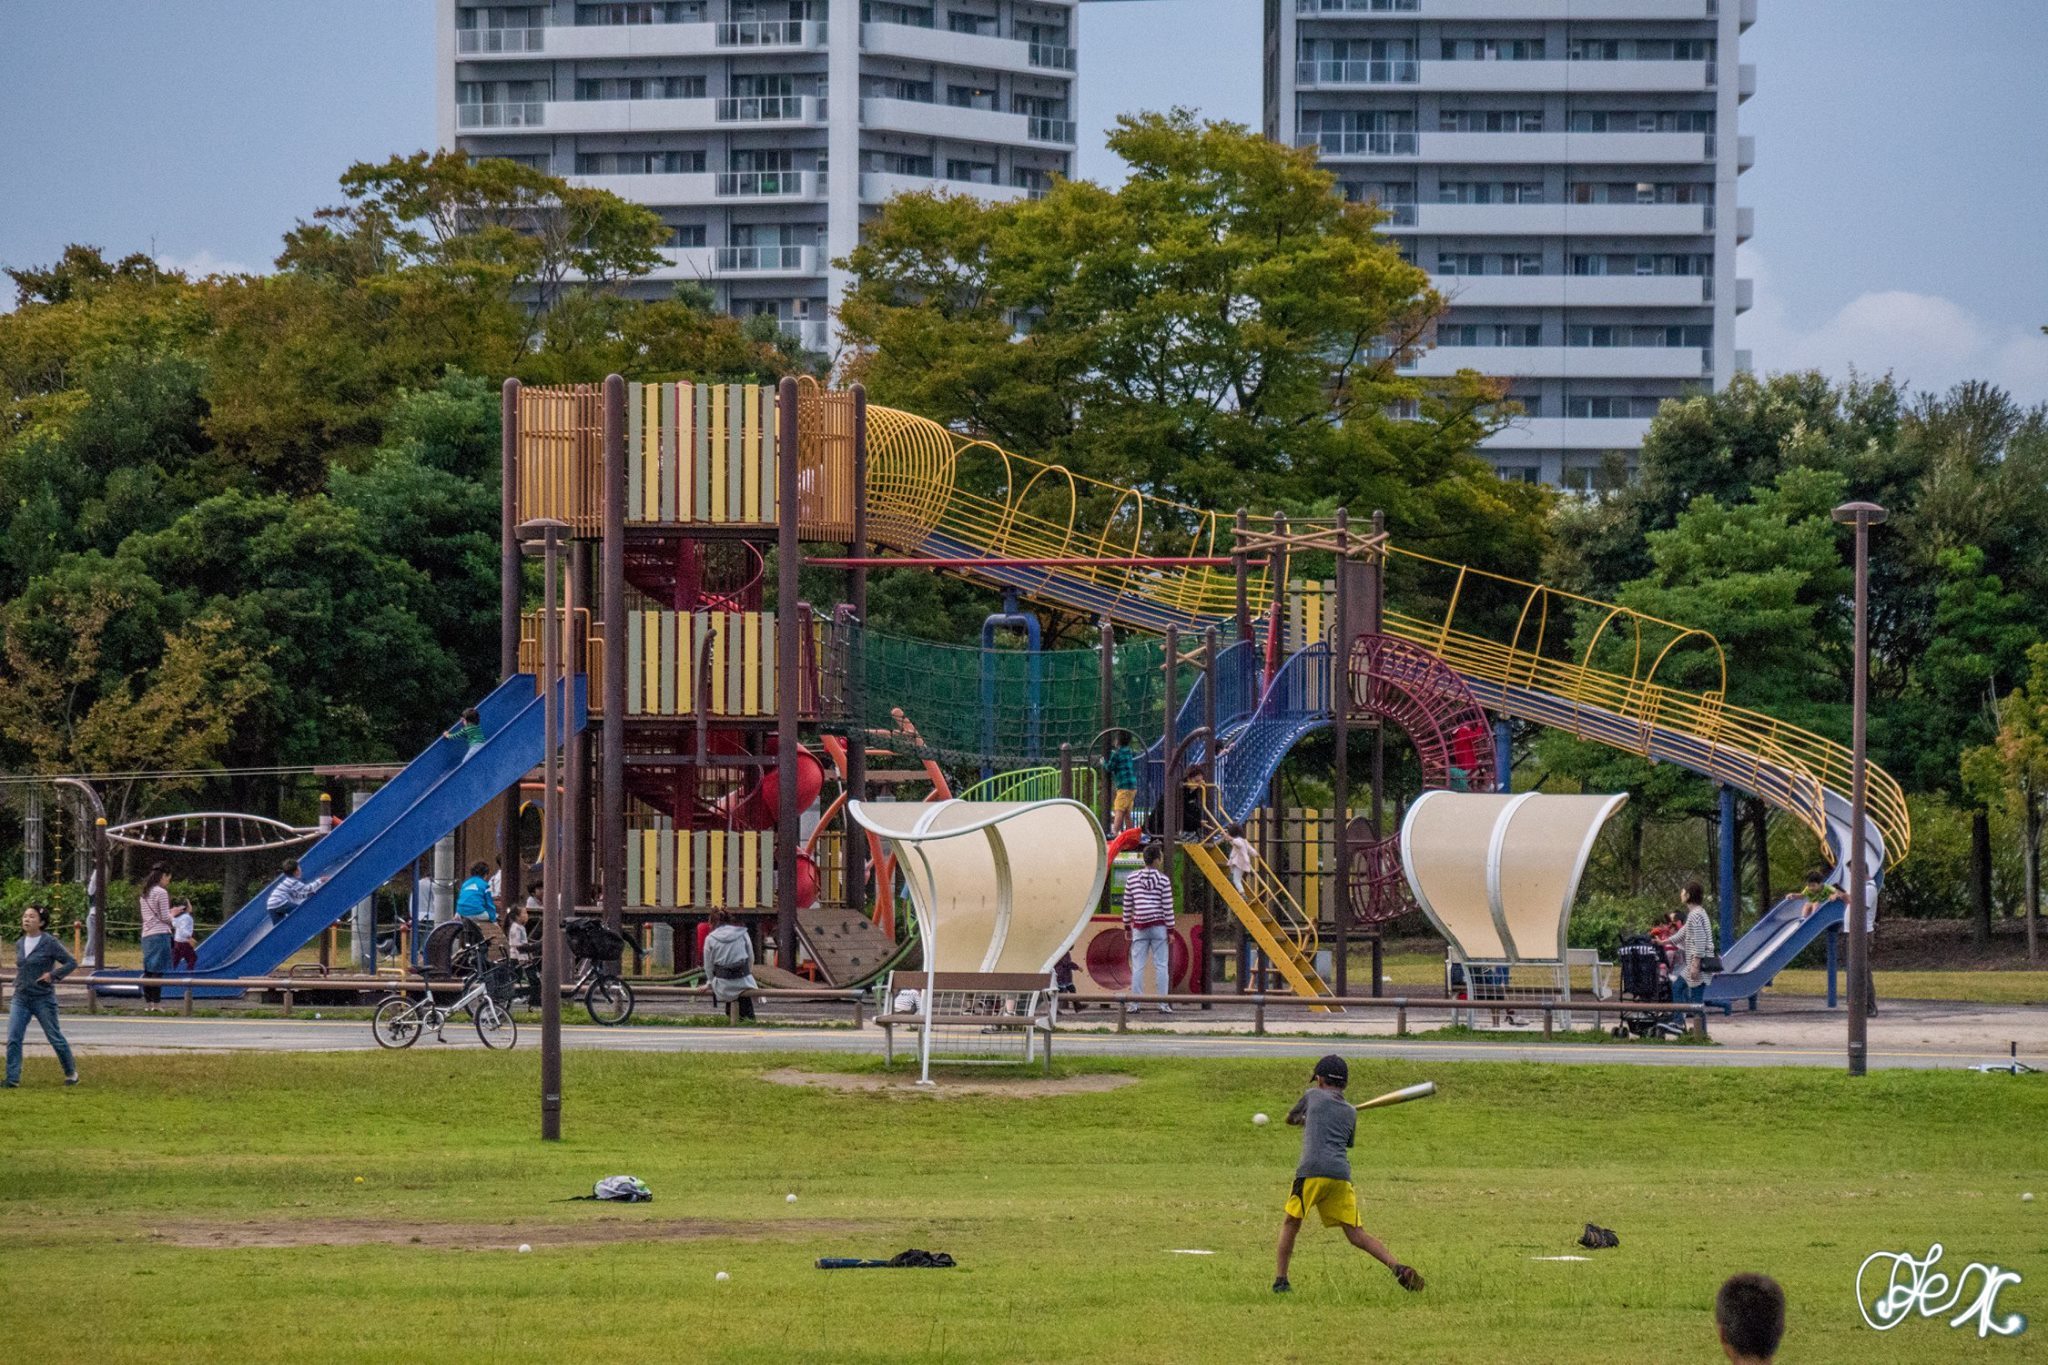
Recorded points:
(1860, 513)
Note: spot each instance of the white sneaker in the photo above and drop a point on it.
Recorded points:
(1166, 1009)
(1130, 1009)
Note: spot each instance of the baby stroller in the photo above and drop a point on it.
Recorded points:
(1641, 964)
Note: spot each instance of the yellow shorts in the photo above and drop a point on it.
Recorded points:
(1121, 803)
(1335, 1200)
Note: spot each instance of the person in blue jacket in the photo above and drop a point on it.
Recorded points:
(474, 905)
(40, 963)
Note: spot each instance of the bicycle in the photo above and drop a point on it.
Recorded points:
(400, 1020)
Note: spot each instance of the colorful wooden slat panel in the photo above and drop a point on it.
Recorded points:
(636, 435)
(735, 451)
(750, 483)
(769, 435)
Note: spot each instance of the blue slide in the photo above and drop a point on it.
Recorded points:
(1749, 963)
(430, 797)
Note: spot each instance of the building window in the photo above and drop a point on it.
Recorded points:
(641, 88)
(1492, 50)
(985, 25)
(1640, 121)
(1519, 473)
(640, 163)
(674, 12)
(896, 88)
(972, 172)
(686, 235)
(900, 163)
(1609, 406)
(1490, 121)
(1356, 132)
(1490, 192)
(1518, 334)
(971, 97)
(910, 16)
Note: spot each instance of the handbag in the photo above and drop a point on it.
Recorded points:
(1710, 964)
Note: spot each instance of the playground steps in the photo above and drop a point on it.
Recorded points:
(1290, 945)
(845, 944)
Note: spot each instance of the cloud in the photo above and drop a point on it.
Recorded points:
(1924, 340)
(203, 262)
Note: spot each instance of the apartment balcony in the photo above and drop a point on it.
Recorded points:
(782, 35)
(1745, 153)
(1576, 10)
(1745, 75)
(518, 114)
(1745, 295)
(963, 49)
(777, 186)
(811, 334)
(771, 109)
(1573, 291)
(1336, 75)
(1569, 433)
(599, 41)
(1745, 224)
(878, 187)
(499, 42)
(1566, 362)
(628, 40)
(1552, 220)
(758, 261)
(685, 188)
(685, 263)
(1514, 149)
(1566, 77)
(1748, 14)
(943, 120)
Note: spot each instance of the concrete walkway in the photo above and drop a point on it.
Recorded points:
(1904, 1035)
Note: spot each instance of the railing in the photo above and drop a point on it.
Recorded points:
(561, 440)
(1355, 6)
(761, 184)
(1356, 73)
(1401, 1005)
(1059, 130)
(761, 258)
(586, 649)
(762, 33)
(523, 114)
(762, 108)
(1362, 144)
(499, 39)
(1052, 56)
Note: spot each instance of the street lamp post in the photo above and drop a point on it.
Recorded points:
(545, 534)
(1863, 516)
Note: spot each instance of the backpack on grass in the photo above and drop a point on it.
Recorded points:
(625, 1189)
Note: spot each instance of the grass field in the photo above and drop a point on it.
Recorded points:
(208, 1207)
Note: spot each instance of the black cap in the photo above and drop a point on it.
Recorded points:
(1333, 1069)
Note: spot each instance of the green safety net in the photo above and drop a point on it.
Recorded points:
(1006, 708)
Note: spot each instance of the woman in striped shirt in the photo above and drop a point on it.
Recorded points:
(1148, 921)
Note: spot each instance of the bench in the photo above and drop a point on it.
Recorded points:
(970, 1010)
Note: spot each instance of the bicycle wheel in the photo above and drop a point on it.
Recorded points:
(495, 1024)
(609, 1000)
(396, 1023)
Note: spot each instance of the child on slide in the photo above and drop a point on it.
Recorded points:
(1323, 1179)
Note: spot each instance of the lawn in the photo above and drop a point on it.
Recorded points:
(175, 1208)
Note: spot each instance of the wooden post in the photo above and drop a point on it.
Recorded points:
(1340, 778)
(855, 841)
(1240, 569)
(1106, 656)
(1066, 771)
(787, 678)
(1376, 622)
(1169, 798)
(575, 777)
(1211, 654)
(511, 597)
(611, 821)
(554, 942)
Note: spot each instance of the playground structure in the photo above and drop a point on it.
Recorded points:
(734, 730)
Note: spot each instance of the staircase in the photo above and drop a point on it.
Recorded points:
(1275, 922)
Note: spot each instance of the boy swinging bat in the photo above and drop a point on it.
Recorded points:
(1322, 1181)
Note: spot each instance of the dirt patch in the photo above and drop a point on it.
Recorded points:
(350, 1232)
(1020, 1088)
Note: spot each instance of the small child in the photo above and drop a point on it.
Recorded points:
(1240, 857)
(184, 946)
(1323, 1179)
(1818, 892)
(470, 730)
(1063, 978)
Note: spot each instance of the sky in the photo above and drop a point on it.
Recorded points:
(1901, 184)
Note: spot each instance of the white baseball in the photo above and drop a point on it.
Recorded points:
(1259, 1119)
(790, 1200)
(2027, 1198)
(525, 1247)
(723, 1276)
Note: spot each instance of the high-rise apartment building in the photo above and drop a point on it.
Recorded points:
(763, 131)
(1566, 172)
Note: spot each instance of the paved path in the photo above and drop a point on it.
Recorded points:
(115, 1034)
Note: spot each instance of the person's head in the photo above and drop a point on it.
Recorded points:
(1152, 852)
(479, 869)
(159, 875)
(534, 888)
(290, 867)
(1816, 879)
(34, 919)
(517, 914)
(1123, 741)
(1693, 896)
(1749, 1313)
(470, 716)
(1237, 831)
(1331, 1073)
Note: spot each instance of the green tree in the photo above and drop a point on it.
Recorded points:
(2013, 770)
(1223, 329)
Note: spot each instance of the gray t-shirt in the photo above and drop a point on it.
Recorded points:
(1328, 1125)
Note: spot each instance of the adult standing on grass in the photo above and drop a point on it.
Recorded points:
(729, 962)
(1148, 921)
(1749, 1315)
(156, 932)
(1323, 1179)
(1695, 941)
(40, 962)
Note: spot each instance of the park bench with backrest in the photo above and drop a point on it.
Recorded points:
(970, 1011)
